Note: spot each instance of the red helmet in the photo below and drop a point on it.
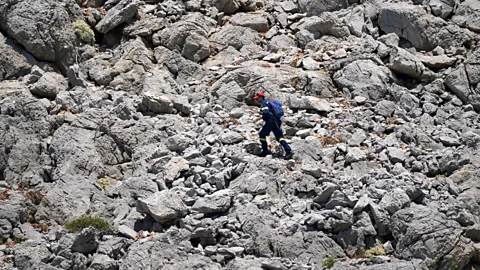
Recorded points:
(259, 94)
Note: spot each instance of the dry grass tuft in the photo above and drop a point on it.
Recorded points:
(326, 140)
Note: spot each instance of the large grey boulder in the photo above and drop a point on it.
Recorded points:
(227, 6)
(217, 202)
(255, 21)
(423, 30)
(364, 78)
(14, 61)
(29, 254)
(281, 42)
(423, 233)
(403, 62)
(188, 37)
(394, 200)
(328, 23)
(309, 103)
(103, 262)
(300, 246)
(86, 241)
(467, 15)
(442, 8)
(117, 15)
(235, 36)
(49, 85)
(163, 206)
(31, 24)
(317, 7)
(182, 69)
(12, 214)
(164, 253)
(458, 81)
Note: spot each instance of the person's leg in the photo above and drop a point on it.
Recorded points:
(279, 135)
(266, 129)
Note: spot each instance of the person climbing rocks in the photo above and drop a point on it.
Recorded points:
(271, 113)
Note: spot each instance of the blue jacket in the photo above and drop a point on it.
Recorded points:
(266, 110)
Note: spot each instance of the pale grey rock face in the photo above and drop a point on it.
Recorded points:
(154, 129)
(29, 24)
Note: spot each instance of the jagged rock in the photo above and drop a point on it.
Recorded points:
(231, 137)
(316, 8)
(466, 15)
(355, 154)
(396, 154)
(13, 61)
(183, 69)
(402, 61)
(117, 15)
(309, 103)
(364, 78)
(363, 202)
(437, 61)
(178, 142)
(326, 24)
(103, 262)
(425, 225)
(163, 206)
(86, 241)
(325, 193)
(49, 85)
(255, 21)
(227, 6)
(390, 39)
(458, 82)
(338, 198)
(116, 246)
(280, 43)
(217, 202)
(187, 37)
(394, 201)
(26, 21)
(29, 254)
(423, 30)
(235, 36)
(128, 232)
(443, 8)
(174, 167)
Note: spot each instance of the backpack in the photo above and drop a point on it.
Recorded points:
(277, 109)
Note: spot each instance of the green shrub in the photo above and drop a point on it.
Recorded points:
(375, 251)
(104, 182)
(454, 266)
(18, 239)
(84, 32)
(83, 222)
(329, 262)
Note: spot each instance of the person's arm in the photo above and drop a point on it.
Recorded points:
(265, 110)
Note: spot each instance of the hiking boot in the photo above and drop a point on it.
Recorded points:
(288, 155)
(265, 153)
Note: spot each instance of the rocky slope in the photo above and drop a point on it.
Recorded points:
(141, 113)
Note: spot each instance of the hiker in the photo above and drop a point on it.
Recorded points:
(271, 114)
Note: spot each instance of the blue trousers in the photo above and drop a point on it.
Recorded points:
(277, 131)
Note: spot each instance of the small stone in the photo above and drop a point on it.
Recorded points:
(360, 100)
(128, 232)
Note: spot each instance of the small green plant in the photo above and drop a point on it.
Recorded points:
(84, 32)
(83, 222)
(375, 251)
(104, 182)
(454, 265)
(18, 239)
(328, 262)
